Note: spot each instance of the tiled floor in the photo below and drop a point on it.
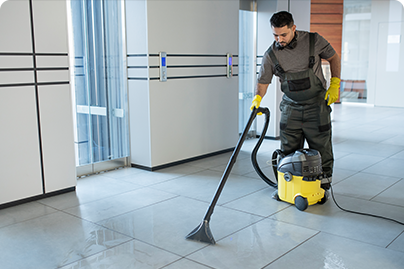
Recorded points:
(131, 218)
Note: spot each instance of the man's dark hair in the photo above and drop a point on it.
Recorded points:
(281, 19)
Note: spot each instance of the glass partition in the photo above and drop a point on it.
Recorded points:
(390, 64)
(247, 64)
(99, 78)
(355, 51)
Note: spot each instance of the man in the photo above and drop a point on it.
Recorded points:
(295, 57)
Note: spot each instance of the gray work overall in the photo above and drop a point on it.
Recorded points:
(308, 117)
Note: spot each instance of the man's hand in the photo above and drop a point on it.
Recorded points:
(333, 90)
(256, 103)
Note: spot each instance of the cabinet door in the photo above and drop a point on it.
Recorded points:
(57, 137)
(20, 165)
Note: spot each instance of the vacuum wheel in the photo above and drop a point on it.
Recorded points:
(301, 203)
(324, 199)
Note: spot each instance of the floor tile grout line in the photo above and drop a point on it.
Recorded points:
(140, 187)
(337, 235)
(367, 200)
(254, 214)
(33, 218)
(205, 265)
(90, 221)
(98, 252)
(153, 187)
(96, 200)
(249, 213)
(292, 249)
(160, 182)
(139, 240)
(130, 238)
(388, 245)
(245, 195)
(391, 186)
(222, 238)
(143, 207)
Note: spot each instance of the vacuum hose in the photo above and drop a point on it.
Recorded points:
(255, 150)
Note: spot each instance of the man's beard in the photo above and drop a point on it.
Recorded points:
(282, 44)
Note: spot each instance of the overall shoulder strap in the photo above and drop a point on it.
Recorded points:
(277, 66)
(311, 58)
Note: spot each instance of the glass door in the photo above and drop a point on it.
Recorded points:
(99, 80)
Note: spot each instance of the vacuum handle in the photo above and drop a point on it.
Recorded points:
(263, 110)
(232, 160)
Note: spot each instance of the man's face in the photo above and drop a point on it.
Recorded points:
(283, 35)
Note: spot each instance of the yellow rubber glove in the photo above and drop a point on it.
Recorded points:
(256, 103)
(333, 91)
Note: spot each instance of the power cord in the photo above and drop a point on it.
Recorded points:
(361, 213)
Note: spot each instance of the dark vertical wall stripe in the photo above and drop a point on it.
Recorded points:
(37, 94)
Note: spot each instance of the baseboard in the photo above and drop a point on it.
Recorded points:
(37, 197)
(155, 168)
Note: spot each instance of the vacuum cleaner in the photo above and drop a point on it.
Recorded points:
(298, 175)
(298, 178)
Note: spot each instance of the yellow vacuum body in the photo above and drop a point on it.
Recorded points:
(299, 179)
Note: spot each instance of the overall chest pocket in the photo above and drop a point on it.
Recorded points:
(299, 84)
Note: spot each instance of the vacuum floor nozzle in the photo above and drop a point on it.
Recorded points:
(202, 233)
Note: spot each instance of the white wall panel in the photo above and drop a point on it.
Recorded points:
(15, 61)
(53, 76)
(136, 25)
(57, 137)
(30, 146)
(52, 61)
(201, 124)
(139, 72)
(15, 27)
(50, 26)
(9, 77)
(193, 26)
(191, 117)
(139, 122)
(138, 90)
(20, 166)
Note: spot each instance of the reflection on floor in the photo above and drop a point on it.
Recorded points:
(130, 218)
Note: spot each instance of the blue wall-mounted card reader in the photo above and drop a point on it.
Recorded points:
(163, 66)
(229, 71)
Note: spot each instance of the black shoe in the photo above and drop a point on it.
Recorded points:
(326, 182)
(275, 195)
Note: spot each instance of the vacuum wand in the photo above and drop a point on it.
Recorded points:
(202, 232)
